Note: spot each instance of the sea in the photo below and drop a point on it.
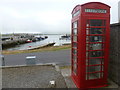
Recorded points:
(51, 39)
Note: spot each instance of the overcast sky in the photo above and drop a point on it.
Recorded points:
(43, 16)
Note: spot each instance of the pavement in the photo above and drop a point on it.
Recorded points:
(40, 76)
(61, 57)
(32, 76)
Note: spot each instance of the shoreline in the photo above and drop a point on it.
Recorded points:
(42, 49)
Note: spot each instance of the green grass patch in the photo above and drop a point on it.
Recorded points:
(50, 48)
(65, 67)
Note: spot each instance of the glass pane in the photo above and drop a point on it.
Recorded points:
(75, 31)
(96, 22)
(75, 58)
(74, 51)
(95, 61)
(94, 76)
(87, 25)
(74, 38)
(87, 46)
(94, 68)
(75, 68)
(96, 38)
(102, 74)
(75, 25)
(87, 63)
(87, 54)
(97, 46)
(96, 30)
(95, 53)
(87, 39)
(102, 68)
(74, 45)
(104, 22)
(87, 31)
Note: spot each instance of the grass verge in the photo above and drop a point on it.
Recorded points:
(65, 67)
(50, 48)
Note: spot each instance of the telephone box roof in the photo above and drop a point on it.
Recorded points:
(78, 6)
(95, 2)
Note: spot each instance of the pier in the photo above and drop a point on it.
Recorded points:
(12, 43)
(42, 46)
(12, 40)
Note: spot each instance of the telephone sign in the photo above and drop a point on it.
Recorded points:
(96, 10)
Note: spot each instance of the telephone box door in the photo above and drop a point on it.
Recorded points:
(95, 51)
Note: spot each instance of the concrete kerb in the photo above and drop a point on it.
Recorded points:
(24, 65)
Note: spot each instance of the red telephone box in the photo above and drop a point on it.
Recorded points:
(90, 44)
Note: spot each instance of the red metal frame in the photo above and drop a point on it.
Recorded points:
(85, 73)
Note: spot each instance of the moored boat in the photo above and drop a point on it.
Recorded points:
(29, 41)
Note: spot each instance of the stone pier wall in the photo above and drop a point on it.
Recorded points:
(12, 43)
(114, 63)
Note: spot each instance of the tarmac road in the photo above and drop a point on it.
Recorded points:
(61, 57)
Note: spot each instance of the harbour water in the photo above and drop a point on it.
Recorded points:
(51, 39)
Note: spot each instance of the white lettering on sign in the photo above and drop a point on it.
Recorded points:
(96, 10)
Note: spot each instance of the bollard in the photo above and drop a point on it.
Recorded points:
(2, 60)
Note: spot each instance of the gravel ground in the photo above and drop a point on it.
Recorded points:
(31, 77)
